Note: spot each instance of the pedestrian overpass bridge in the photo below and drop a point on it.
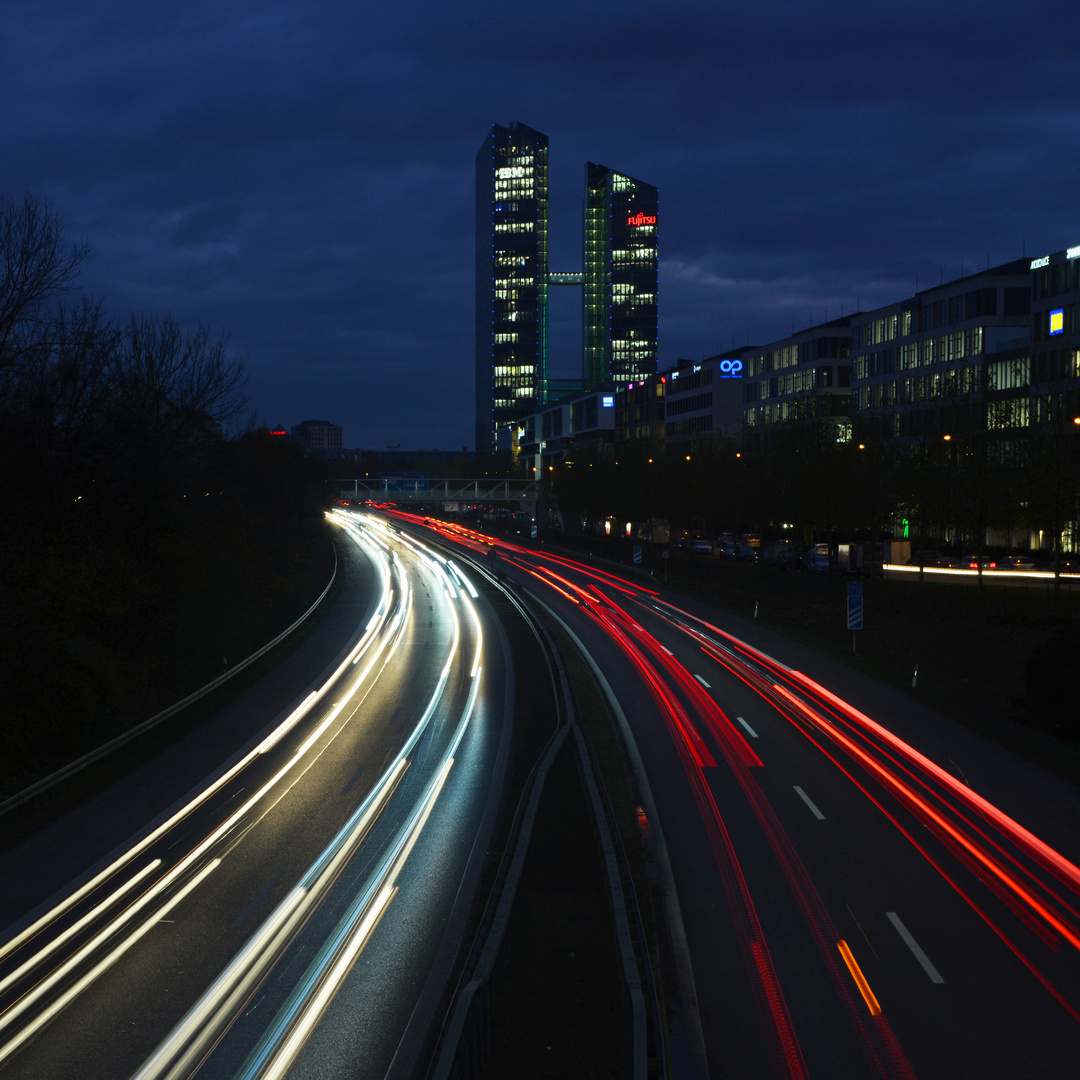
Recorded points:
(414, 490)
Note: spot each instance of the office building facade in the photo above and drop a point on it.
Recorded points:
(802, 378)
(1054, 367)
(318, 435)
(511, 278)
(619, 302)
(947, 357)
(619, 282)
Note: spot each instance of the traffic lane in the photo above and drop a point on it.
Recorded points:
(813, 1007)
(785, 721)
(866, 868)
(728, 1012)
(676, 643)
(731, 973)
(1039, 800)
(361, 1030)
(69, 849)
(436, 752)
(208, 823)
(309, 818)
(149, 989)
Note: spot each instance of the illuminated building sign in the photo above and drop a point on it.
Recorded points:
(731, 369)
(1073, 253)
(1057, 322)
(1038, 264)
(641, 219)
(608, 401)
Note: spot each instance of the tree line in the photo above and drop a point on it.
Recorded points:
(955, 484)
(150, 534)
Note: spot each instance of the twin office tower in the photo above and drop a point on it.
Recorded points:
(618, 281)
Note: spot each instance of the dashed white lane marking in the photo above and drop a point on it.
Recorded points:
(667, 650)
(753, 733)
(703, 682)
(806, 799)
(913, 945)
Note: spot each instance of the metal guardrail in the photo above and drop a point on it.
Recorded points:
(104, 750)
(459, 1046)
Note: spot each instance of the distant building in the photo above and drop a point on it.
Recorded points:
(511, 278)
(318, 435)
(620, 277)
(1054, 367)
(619, 282)
(802, 378)
(927, 363)
(584, 418)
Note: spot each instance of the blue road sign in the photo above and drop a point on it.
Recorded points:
(637, 554)
(854, 605)
(533, 532)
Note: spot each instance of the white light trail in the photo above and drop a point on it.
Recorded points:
(76, 927)
(133, 852)
(77, 988)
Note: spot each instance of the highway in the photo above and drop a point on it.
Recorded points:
(282, 917)
(851, 885)
(864, 891)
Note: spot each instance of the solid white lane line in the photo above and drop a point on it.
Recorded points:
(753, 733)
(703, 682)
(806, 799)
(913, 945)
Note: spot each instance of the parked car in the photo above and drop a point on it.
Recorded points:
(817, 558)
(972, 562)
(700, 546)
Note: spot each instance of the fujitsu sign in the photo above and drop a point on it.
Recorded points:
(641, 219)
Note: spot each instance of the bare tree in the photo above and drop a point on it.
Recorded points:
(36, 265)
(170, 388)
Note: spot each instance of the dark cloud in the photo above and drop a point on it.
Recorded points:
(301, 174)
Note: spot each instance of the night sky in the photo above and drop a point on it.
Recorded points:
(300, 174)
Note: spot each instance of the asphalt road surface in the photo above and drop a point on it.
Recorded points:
(866, 888)
(284, 913)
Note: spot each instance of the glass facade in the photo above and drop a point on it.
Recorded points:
(619, 312)
(511, 278)
(948, 357)
(619, 282)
